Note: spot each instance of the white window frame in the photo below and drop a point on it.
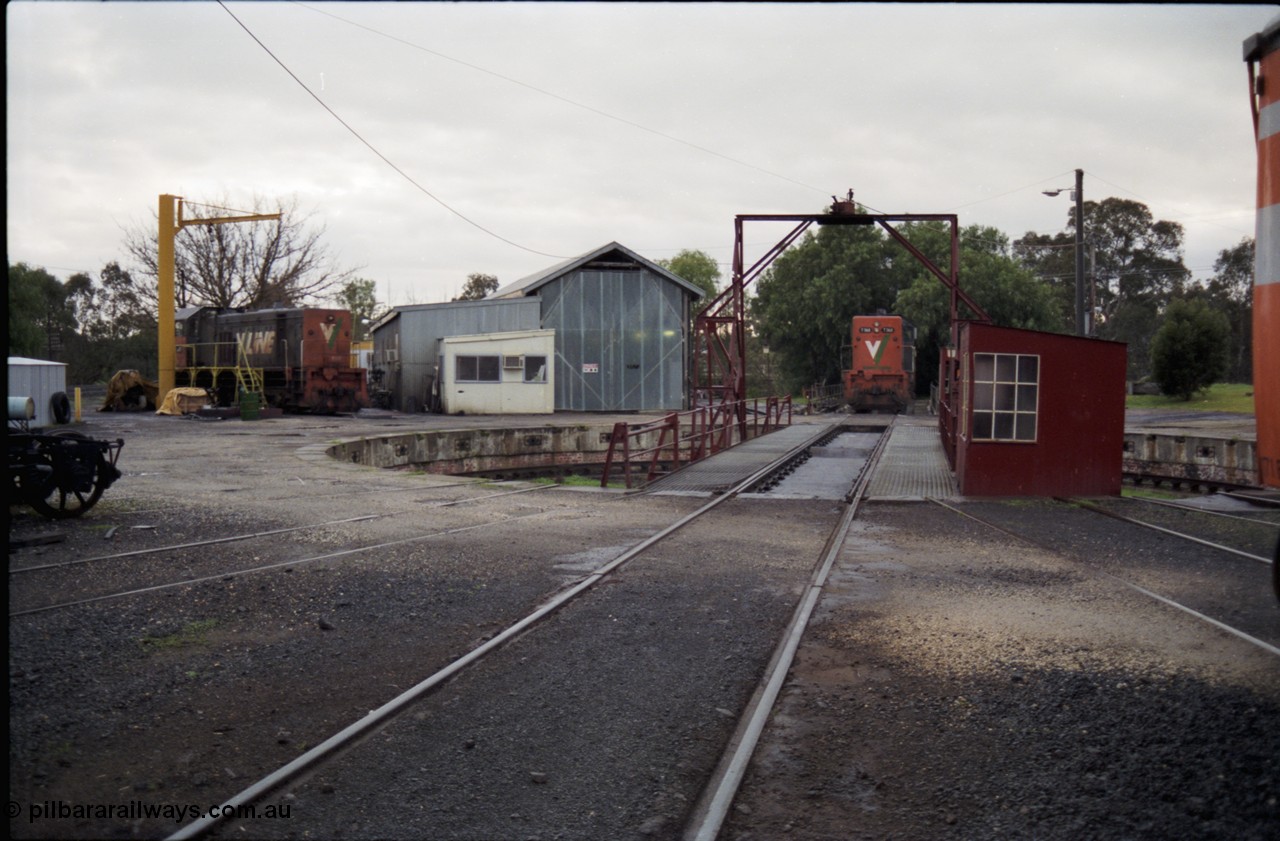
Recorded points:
(1005, 407)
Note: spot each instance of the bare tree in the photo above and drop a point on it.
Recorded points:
(245, 264)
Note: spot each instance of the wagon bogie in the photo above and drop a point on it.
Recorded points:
(60, 475)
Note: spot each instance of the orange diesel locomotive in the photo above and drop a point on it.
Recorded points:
(882, 374)
(300, 359)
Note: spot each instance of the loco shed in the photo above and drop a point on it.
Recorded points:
(298, 359)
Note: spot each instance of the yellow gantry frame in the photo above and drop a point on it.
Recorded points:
(171, 222)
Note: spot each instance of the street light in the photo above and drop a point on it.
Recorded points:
(1077, 194)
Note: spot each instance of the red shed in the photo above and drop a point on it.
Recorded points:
(1039, 414)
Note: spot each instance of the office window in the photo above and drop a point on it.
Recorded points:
(1006, 392)
(477, 369)
(535, 369)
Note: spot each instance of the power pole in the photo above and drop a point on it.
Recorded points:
(1081, 324)
(171, 222)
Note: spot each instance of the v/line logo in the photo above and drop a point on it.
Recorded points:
(330, 332)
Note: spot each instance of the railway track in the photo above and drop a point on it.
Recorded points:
(719, 794)
(233, 582)
(202, 567)
(1223, 561)
(626, 678)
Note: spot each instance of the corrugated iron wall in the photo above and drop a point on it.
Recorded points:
(620, 340)
(414, 337)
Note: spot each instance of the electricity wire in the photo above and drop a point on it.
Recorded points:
(591, 108)
(187, 203)
(1011, 192)
(379, 154)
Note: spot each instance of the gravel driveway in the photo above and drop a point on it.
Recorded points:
(957, 683)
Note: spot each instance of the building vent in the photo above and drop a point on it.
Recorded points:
(513, 362)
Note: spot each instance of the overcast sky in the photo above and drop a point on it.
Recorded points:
(556, 128)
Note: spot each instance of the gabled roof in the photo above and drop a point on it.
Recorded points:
(395, 312)
(529, 285)
(28, 362)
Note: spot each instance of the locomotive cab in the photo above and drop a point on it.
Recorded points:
(881, 376)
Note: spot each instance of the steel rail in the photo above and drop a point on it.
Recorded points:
(1260, 500)
(1166, 504)
(179, 546)
(488, 496)
(713, 806)
(383, 490)
(1097, 509)
(1263, 644)
(797, 452)
(383, 714)
(1266, 646)
(353, 492)
(265, 567)
(174, 547)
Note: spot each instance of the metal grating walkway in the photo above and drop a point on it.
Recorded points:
(913, 465)
(717, 473)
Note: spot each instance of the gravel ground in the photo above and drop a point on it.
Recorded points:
(957, 683)
(186, 695)
(602, 724)
(960, 684)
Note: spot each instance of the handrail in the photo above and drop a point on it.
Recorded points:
(710, 430)
(823, 396)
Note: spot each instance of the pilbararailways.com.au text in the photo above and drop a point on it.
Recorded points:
(136, 810)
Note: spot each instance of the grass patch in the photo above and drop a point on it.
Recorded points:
(1150, 493)
(1221, 397)
(576, 481)
(193, 633)
(1025, 502)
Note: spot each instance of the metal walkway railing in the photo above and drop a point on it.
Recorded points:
(686, 437)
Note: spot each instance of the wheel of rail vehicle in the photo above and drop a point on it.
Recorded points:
(77, 481)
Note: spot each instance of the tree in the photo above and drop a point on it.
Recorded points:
(244, 264)
(1230, 292)
(358, 296)
(1051, 257)
(110, 308)
(1189, 351)
(1138, 267)
(116, 330)
(41, 314)
(478, 287)
(1011, 294)
(805, 302)
(697, 267)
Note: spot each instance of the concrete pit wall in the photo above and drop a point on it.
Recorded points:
(478, 450)
(1191, 459)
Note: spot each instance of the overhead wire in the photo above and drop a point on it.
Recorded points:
(188, 203)
(559, 97)
(1011, 192)
(378, 153)
(576, 104)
